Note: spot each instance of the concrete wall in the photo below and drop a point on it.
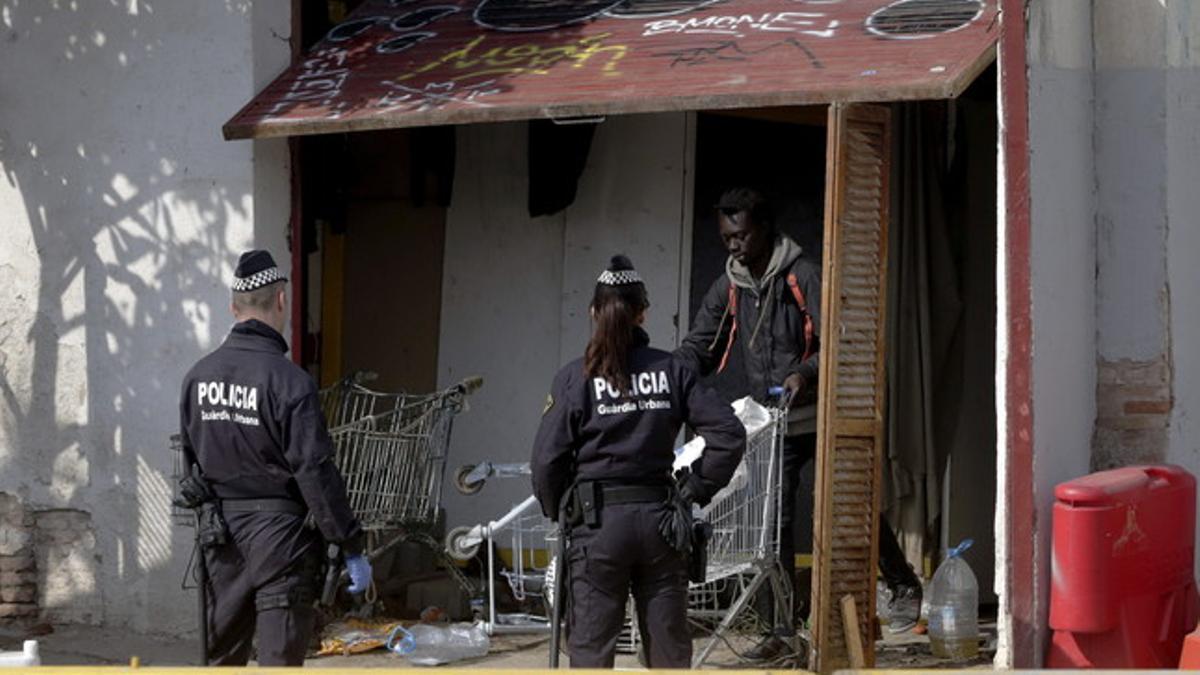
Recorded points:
(1147, 145)
(1063, 262)
(1132, 110)
(1115, 152)
(123, 213)
(1182, 158)
(516, 289)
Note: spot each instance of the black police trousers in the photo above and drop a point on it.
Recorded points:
(262, 581)
(626, 552)
(798, 452)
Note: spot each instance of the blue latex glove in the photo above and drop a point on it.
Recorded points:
(359, 569)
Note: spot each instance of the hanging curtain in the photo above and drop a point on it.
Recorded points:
(924, 345)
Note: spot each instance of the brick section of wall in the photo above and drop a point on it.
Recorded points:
(18, 564)
(1133, 412)
(69, 563)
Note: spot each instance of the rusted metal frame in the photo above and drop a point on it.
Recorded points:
(1018, 494)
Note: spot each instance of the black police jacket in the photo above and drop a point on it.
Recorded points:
(591, 431)
(252, 421)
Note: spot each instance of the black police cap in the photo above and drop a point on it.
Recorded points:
(255, 269)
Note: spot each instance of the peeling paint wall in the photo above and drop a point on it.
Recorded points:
(1132, 298)
(122, 215)
(1182, 150)
(1147, 141)
(1114, 102)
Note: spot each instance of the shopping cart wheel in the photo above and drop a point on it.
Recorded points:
(456, 547)
(461, 482)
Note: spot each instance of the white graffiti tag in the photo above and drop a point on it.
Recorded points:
(319, 81)
(812, 24)
(434, 95)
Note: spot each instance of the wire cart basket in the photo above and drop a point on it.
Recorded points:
(391, 450)
(532, 540)
(743, 552)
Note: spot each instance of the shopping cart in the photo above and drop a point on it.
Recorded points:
(531, 540)
(743, 552)
(391, 450)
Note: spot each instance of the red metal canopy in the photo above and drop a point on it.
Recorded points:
(404, 63)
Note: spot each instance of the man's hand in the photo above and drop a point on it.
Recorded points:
(795, 385)
(359, 569)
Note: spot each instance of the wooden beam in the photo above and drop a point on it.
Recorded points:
(853, 636)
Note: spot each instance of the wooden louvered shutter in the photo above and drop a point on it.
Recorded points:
(850, 412)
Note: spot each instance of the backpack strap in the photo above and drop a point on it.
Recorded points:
(731, 309)
(808, 322)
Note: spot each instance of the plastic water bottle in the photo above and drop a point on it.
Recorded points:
(28, 656)
(954, 608)
(428, 645)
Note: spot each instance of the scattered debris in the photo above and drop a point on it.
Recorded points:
(355, 636)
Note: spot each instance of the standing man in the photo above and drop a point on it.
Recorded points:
(769, 302)
(254, 435)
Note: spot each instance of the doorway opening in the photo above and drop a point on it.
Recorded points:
(939, 457)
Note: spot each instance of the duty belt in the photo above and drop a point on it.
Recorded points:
(266, 505)
(633, 494)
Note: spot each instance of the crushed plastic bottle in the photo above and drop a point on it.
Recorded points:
(954, 608)
(27, 657)
(429, 645)
(883, 600)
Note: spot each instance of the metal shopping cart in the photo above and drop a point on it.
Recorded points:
(391, 449)
(743, 553)
(531, 540)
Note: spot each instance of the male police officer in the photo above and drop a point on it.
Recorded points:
(769, 300)
(252, 426)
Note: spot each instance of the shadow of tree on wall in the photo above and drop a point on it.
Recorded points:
(129, 217)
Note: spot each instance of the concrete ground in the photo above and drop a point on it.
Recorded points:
(88, 645)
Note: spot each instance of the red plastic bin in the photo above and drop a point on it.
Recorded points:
(1123, 592)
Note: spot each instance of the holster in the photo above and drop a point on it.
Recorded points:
(195, 493)
(211, 530)
(698, 560)
(583, 504)
(333, 572)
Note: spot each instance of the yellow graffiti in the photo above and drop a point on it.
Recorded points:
(471, 60)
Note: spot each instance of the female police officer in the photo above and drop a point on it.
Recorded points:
(606, 442)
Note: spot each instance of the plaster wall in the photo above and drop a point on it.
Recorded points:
(1114, 100)
(1148, 88)
(123, 214)
(1062, 262)
(516, 289)
(1131, 167)
(1182, 155)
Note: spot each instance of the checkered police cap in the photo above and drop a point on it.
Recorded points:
(620, 272)
(255, 269)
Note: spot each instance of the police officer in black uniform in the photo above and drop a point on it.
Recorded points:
(607, 442)
(252, 427)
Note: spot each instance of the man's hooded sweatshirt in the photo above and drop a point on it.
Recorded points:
(770, 326)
